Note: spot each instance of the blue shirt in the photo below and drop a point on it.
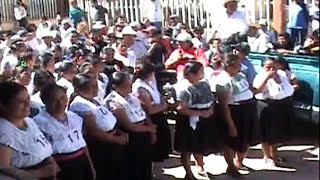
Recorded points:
(248, 69)
(76, 15)
(298, 16)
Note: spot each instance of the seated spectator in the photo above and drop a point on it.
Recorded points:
(214, 47)
(183, 54)
(311, 45)
(198, 40)
(257, 39)
(283, 44)
(271, 33)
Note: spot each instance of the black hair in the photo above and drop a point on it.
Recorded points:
(316, 33)
(156, 33)
(47, 92)
(18, 71)
(282, 60)
(65, 67)
(94, 59)
(83, 67)
(105, 49)
(198, 28)
(44, 59)
(8, 90)
(84, 51)
(81, 81)
(214, 39)
(286, 35)
(41, 79)
(230, 59)
(119, 78)
(144, 70)
(56, 47)
(192, 67)
(72, 51)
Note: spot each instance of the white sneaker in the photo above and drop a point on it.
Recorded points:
(269, 162)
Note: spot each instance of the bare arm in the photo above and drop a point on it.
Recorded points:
(123, 119)
(145, 98)
(49, 170)
(223, 99)
(95, 132)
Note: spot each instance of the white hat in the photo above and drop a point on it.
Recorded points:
(48, 33)
(183, 37)
(98, 25)
(263, 22)
(127, 30)
(135, 24)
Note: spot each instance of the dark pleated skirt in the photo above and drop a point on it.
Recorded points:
(109, 160)
(244, 116)
(276, 118)
(199, 140)
(78, 168)
(139, 156)
(160, 151)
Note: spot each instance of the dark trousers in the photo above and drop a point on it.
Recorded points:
(23, 22)
(298, 36)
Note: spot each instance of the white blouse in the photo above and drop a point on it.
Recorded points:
(29, 147)
(64, 138)
(273, 90)
(103, 116)
(131, 104)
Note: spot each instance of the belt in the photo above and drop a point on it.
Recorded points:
(275, 100)
(242, 102)
(69, 156)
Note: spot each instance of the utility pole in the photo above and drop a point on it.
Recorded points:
(280, 16)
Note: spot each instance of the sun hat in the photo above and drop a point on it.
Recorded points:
(128, 30)
(228, 1)
(184, 37)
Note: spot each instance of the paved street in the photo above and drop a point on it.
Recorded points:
(301, 155)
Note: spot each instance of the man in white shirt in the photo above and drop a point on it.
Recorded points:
(128, 35)
(232, 21)
(257, 39)
(153, 10)
(20, 13)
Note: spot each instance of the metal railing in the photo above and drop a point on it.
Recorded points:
(35, 8)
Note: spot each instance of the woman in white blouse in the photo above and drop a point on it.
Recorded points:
(273, 90)
(134, 120)
(22, 145)
(64, 131)
(105, 140)
(155, 105)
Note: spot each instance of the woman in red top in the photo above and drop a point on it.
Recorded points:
(183, 54)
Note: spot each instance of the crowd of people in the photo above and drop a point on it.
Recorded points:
(90, 104)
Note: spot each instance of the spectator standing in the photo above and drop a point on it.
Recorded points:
(20, 13)
(75, 13)
(271, 33)
(153, 9)
(258, 40)
(232, 21)
(314, 13)
(297, 26)
(98, 12)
